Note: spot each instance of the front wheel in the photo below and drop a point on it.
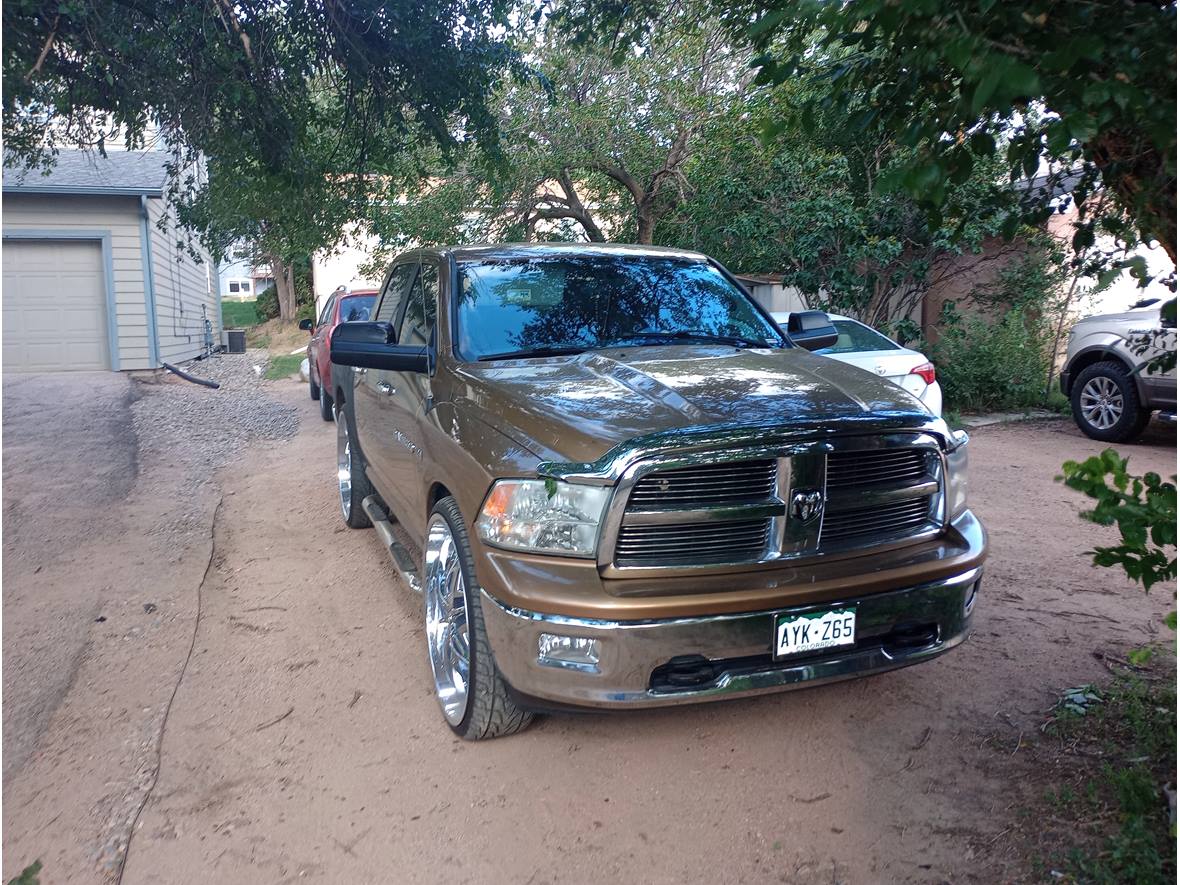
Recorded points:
(472, 693)
(1106, 404)
(352, 484)
(327, 410)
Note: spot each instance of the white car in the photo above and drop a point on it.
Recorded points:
(866, 348)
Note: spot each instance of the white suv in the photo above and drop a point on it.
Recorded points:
(1105, 374)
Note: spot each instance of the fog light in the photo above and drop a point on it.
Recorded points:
(571, 652)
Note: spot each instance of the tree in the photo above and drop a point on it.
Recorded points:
(594, 145)
(1085, 88)
(806, 207)
(301, 108)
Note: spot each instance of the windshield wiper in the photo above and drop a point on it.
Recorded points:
(732, 340)
(529, 352)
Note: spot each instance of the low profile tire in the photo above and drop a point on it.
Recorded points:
(472, 693)
(353, 485)
(1106, 404)
(327, 410)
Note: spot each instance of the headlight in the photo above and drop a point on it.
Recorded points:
(543, 516)
(956, 475)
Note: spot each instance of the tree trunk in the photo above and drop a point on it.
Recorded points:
(284, 288)
(646, 226)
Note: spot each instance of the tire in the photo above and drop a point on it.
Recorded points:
(351, 481)
(327, 412)
(1106, 404)
(312, 387)
(472, 693)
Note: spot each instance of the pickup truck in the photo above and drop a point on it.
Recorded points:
(631, 488)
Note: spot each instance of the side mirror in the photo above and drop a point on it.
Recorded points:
(812, 329)
(306, 325)
(368, 346)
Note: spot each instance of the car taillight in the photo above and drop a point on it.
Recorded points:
(925, 372)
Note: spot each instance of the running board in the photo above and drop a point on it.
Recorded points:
(402, 560)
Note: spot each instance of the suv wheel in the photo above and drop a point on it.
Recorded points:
(350, 475)
(1106, 404)
(473, 696)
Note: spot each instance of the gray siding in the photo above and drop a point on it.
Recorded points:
(120, 216)
(182, 285)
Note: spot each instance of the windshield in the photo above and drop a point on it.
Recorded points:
(570, 303)
(857, 338)
(355, 308)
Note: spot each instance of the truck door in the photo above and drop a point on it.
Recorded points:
(369, 385)
(404, 401)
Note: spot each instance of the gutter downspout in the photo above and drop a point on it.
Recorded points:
(149, 283)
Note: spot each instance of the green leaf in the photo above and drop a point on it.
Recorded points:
(1170, 620)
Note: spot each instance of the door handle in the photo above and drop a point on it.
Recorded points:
(386, 388)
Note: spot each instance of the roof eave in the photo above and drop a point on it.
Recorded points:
(84, 191)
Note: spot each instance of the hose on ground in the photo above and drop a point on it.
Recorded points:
(187, 377)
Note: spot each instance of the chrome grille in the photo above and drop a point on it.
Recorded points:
(692, 543)
(899, 517)
(741, 482)
(868, 468)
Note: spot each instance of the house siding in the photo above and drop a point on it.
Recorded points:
(181, 286)
(120, 217)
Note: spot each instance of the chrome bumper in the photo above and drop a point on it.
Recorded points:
(686, 660)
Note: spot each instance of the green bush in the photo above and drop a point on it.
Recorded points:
(985, 365)
(267, 303)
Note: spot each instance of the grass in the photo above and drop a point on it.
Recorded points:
(239, 314)
(283, 365)
(1113, 804)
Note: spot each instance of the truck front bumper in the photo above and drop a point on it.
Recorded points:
(685, 660)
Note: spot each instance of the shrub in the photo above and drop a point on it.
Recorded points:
(267, 303)
(985, 365)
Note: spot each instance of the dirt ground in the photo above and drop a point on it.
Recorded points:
(304, 744)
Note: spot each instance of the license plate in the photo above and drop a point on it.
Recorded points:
(796, 634)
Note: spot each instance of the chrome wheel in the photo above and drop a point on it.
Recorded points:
(446, 620)
(343, 465)
(1101, 402)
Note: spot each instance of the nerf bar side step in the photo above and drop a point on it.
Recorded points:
(403, 561)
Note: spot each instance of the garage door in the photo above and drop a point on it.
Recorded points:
(55, 313)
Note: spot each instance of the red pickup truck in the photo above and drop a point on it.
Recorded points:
(342, 307)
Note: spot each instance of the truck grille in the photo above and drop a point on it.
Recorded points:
(742, 482)
(893, 466)
(736, 512)
(692, 543)
(886, 519)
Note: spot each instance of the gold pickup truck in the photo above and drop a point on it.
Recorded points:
(630, 487)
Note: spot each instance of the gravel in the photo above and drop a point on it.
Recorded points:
(197, 430)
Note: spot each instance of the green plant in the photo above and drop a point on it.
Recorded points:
(1143, 508)
(267, 303)
(239, 314)
(283, 366)
(28, 876)
(985, 365)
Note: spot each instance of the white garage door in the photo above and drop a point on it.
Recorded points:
(55, 313)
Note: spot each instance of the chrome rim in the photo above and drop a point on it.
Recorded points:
(1101, 402)
(343, 465)
(446, 620)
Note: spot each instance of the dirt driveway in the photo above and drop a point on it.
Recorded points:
(304, 743)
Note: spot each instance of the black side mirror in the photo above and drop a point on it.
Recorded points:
(369, 346)
(812, 329)
(306, 325)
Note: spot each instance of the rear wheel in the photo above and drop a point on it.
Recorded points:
(1106, 404)
(473, 696)
(351, 481)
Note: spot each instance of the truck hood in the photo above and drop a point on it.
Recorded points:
(576, 408)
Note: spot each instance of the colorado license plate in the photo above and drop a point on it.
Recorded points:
(796, 634)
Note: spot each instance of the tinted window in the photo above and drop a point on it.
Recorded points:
(395, 289)
(356, 308)
(418, 322)
(589, 301)
(326, 313)
(855, 337)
